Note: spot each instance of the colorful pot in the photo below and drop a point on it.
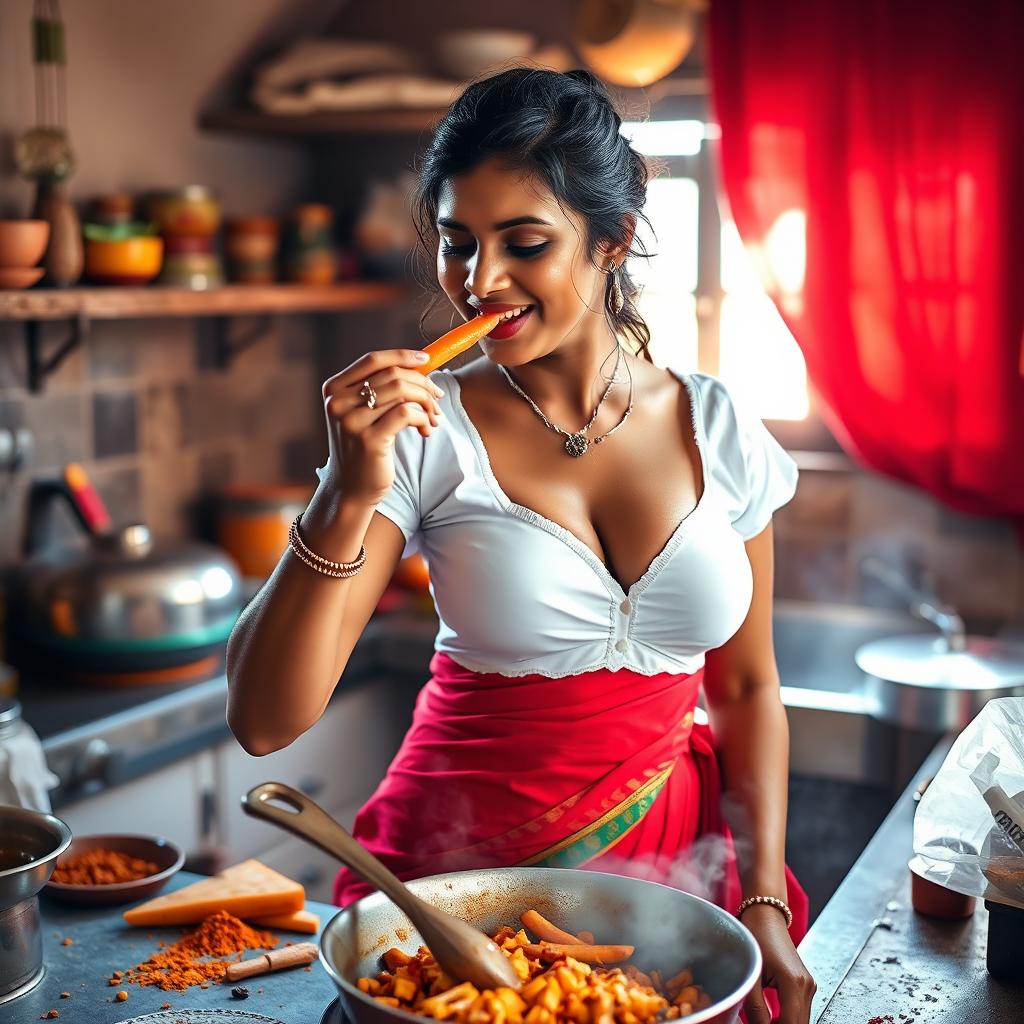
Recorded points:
(192, 210)
(309, 255)
(253, 522)
(251, 245)
(128, 261)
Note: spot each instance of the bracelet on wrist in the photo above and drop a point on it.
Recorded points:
(771, 901)
(324, 566)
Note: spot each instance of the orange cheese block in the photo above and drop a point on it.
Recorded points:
(300, 921)
(249, 889)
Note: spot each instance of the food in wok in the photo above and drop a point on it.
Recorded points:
(565, 980)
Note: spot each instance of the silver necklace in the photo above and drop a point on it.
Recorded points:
(578, 444)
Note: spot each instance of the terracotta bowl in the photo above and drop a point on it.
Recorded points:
(20, 277)
(167, 856)
(22, 242)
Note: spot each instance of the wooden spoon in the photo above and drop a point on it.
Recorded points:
(464, 952)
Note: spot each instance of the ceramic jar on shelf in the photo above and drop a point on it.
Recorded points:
(309, 253)
(189, 219)
(251, 248)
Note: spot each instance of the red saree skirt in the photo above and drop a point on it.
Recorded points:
(602, 770)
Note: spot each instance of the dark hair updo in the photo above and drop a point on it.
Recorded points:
(564, 129)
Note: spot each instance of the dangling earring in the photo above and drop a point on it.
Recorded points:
(615, 299)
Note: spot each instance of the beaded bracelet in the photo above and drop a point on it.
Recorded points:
(318, 562)
(772, 901)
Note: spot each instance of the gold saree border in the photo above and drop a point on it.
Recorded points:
(598, 837)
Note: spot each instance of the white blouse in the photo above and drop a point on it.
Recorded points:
(518, 594)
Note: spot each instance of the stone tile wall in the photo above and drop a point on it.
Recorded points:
(155, 423)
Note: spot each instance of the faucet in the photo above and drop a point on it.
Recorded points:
(922, 602)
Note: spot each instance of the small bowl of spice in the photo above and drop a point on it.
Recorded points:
(106, 870)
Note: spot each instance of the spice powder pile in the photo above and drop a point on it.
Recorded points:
(192, 960)
(102, 867)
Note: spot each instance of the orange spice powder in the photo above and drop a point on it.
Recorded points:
(102, 867)
(197, 957)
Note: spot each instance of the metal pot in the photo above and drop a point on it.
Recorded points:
(935, 683)
(30, 843)
(123, 603)
(671, 930)
(925, 682)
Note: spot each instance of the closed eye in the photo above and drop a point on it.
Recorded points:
(519, 251)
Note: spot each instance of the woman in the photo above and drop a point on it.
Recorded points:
(589, 579)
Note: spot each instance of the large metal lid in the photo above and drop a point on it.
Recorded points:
(984, 663)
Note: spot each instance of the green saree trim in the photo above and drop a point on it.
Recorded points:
(600, 836)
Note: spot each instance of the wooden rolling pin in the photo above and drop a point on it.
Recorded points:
(275, 960)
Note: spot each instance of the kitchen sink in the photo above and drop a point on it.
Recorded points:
(815, 645)
(833, 731)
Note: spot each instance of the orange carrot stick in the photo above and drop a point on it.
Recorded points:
(449, 345)
(545, 930)
(585, 954)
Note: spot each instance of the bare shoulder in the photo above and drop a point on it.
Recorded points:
(663, 389)
(656, 380)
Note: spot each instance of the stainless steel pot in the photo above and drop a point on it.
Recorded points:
(123, 602)
(30, 843)
(935, 682)
(670, 929)
(128, 596)
(923, 682)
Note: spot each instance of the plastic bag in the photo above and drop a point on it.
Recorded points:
(969, 826)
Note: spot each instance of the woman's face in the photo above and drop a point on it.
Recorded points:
(504, 242)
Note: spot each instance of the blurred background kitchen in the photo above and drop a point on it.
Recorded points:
(223, 191)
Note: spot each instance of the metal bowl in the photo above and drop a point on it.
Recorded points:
(30, 843)
(167, 856)
(670, 929)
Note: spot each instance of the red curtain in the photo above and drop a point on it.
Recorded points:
(897, 128)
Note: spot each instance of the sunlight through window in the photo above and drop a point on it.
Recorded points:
(669, 278)
(664, 138)
(754, 352)
(759, 359)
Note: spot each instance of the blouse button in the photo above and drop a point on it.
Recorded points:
(621, 645)
(626, 606)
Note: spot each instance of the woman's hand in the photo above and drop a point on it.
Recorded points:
(361, 439)
(783, 969)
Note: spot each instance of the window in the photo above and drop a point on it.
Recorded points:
(759, 358)
(701, 295)
(669, 279)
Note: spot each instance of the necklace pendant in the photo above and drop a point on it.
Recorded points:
(576, 445)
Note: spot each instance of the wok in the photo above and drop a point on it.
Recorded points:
(670, 929)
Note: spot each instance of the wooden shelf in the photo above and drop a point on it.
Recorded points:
(353, 122)
(229, 300)
(80, 306)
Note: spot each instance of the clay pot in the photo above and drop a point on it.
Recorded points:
(934, 900)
